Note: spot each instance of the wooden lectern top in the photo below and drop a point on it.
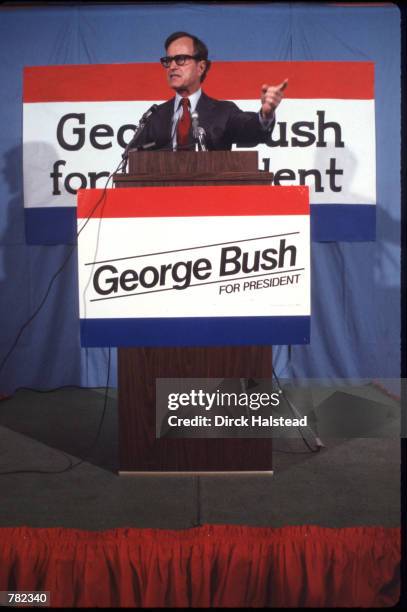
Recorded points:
(166, 168)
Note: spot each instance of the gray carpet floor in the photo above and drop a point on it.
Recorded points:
(352, 481)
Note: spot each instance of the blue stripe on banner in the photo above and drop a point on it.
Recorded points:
(50, 225)
(196, 331)
(343, 222)
(329, 223)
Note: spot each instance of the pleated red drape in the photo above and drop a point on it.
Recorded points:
(213, 565)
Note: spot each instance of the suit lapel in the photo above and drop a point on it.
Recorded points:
(205, 108)
(164, 120)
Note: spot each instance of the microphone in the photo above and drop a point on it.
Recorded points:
(139, 129)
(141, 126)
(148, 113)
(195, 125)
(198, 132)
(201, 138)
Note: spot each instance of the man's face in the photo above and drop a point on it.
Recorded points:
(184, 79)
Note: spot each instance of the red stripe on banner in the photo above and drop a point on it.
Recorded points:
(209, 201)
(226, 80)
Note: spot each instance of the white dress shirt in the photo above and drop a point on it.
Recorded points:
(193, 100)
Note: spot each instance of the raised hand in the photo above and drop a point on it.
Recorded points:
(271, 96)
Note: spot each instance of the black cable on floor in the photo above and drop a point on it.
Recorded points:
(88, 451)
(282, 393)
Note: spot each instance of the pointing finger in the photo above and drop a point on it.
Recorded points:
(283, 85)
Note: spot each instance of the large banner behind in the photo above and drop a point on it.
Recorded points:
(98, 65)
(78, 119)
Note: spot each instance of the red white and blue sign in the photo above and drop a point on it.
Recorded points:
(194, 266)
(78, 119)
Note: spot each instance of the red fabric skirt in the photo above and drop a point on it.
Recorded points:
(209, 566)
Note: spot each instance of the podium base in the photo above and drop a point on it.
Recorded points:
(234, 473)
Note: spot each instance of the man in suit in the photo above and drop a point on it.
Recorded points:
(169, 127)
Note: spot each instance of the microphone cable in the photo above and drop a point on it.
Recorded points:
(57, 273)
(88, 451)
(35, 314)
(122, 164)
(319, 444)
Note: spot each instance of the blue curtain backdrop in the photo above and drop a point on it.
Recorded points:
(355, 286)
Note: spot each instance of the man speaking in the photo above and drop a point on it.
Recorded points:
(175, 124)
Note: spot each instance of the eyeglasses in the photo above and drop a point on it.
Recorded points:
(178, 59)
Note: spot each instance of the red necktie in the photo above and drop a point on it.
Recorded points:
(184, 125)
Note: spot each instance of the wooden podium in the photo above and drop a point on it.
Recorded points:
(139, 449)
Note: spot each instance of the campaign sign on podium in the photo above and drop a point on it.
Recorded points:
(194, 266)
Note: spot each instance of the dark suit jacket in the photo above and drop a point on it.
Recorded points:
(224, 123)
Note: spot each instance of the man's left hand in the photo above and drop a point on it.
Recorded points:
(271, 96)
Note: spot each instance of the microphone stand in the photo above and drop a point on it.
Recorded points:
(198, 133)
(137, 133)
(201, 138)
